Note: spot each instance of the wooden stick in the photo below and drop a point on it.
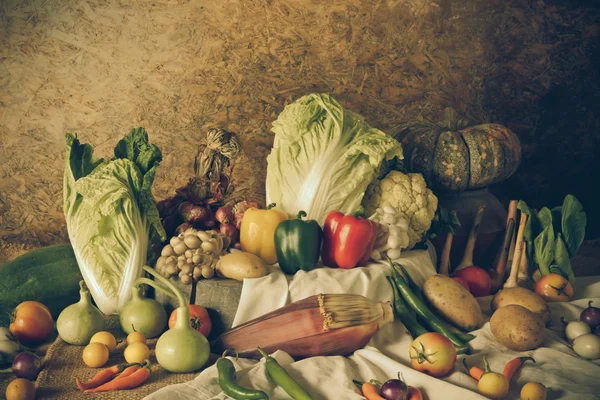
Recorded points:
(512, 280)
(445, 257)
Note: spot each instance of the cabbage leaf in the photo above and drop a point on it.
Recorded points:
(324, 157)
(111, 214)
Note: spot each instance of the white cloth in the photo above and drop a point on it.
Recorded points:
(386, 354)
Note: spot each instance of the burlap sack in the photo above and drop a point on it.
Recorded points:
(63, 363)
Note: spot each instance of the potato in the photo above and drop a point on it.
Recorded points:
(451, 300)
(522, 297)
(239, 265)
(517, 328)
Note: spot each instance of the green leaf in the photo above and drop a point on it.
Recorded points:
(563, 261)
(544, 249)
(557, 219)
(532, 229)
(135, 147)
(574, 221)
(443, 222)
(545, 217)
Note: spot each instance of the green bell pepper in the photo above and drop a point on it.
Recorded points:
(298, 244)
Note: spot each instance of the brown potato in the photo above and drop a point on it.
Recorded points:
(517, 328)
(522, 297)
(452, 301)
(240, 265)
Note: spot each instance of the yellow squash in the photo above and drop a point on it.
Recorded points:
(257, 232)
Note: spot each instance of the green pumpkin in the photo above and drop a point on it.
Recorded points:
(453, 158)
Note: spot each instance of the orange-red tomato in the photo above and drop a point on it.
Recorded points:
(199, 319)
(31, 322)
(433, 354)
(554, 287)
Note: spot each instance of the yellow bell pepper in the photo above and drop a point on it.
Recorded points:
(257, 232)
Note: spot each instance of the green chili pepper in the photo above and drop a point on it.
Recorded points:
(298, 244)
(281, 377)
(405, 315)
(425, 315)
(230, 387)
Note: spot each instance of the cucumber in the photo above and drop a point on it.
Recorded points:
(49, 275)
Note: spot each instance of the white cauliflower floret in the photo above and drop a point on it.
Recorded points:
(409, 195)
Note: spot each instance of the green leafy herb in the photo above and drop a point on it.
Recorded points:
(544, 249)
(554, 235)
(563, 260)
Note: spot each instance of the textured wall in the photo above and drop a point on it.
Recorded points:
(176, 67)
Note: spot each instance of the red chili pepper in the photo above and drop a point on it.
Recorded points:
(348, 240)
(103, 376)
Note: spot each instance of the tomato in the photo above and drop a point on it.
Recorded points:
(554, 287)
(199, 319)
(106, 338)
(135, 337)
(136, 352)
(533, 391)
(95, 354)
(31, 322)
(433, 354)
(462, 282)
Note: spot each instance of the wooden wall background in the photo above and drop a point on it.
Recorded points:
(176, 67)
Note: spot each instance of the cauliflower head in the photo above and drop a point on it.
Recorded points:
(409, 195)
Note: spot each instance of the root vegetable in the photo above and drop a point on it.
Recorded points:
(522, 297)
(478, 279)
(445, 257)
(517, 328)
(193, 213)
(230, 231)
(183, 227)
(241, 265)
(224, 215)
(513, 279)
(452, 301)
(499, 273)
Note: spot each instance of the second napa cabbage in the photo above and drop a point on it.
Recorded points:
(324, 157)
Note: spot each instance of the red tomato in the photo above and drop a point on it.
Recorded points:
(554, 287)
(480, 283)
(31, 322)
(199, 319)
(433, 354)
(462, 282)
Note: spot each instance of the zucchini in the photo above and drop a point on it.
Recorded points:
(49, 275)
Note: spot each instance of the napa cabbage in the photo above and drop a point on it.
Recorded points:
(111, 214)
(324, 157)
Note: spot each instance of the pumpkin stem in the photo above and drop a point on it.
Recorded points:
(451, 120)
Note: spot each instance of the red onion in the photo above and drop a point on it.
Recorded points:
(394, 389)
(193, 213)
(230, 231)
(224, 215)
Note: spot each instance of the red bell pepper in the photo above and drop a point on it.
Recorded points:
(348, 240)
